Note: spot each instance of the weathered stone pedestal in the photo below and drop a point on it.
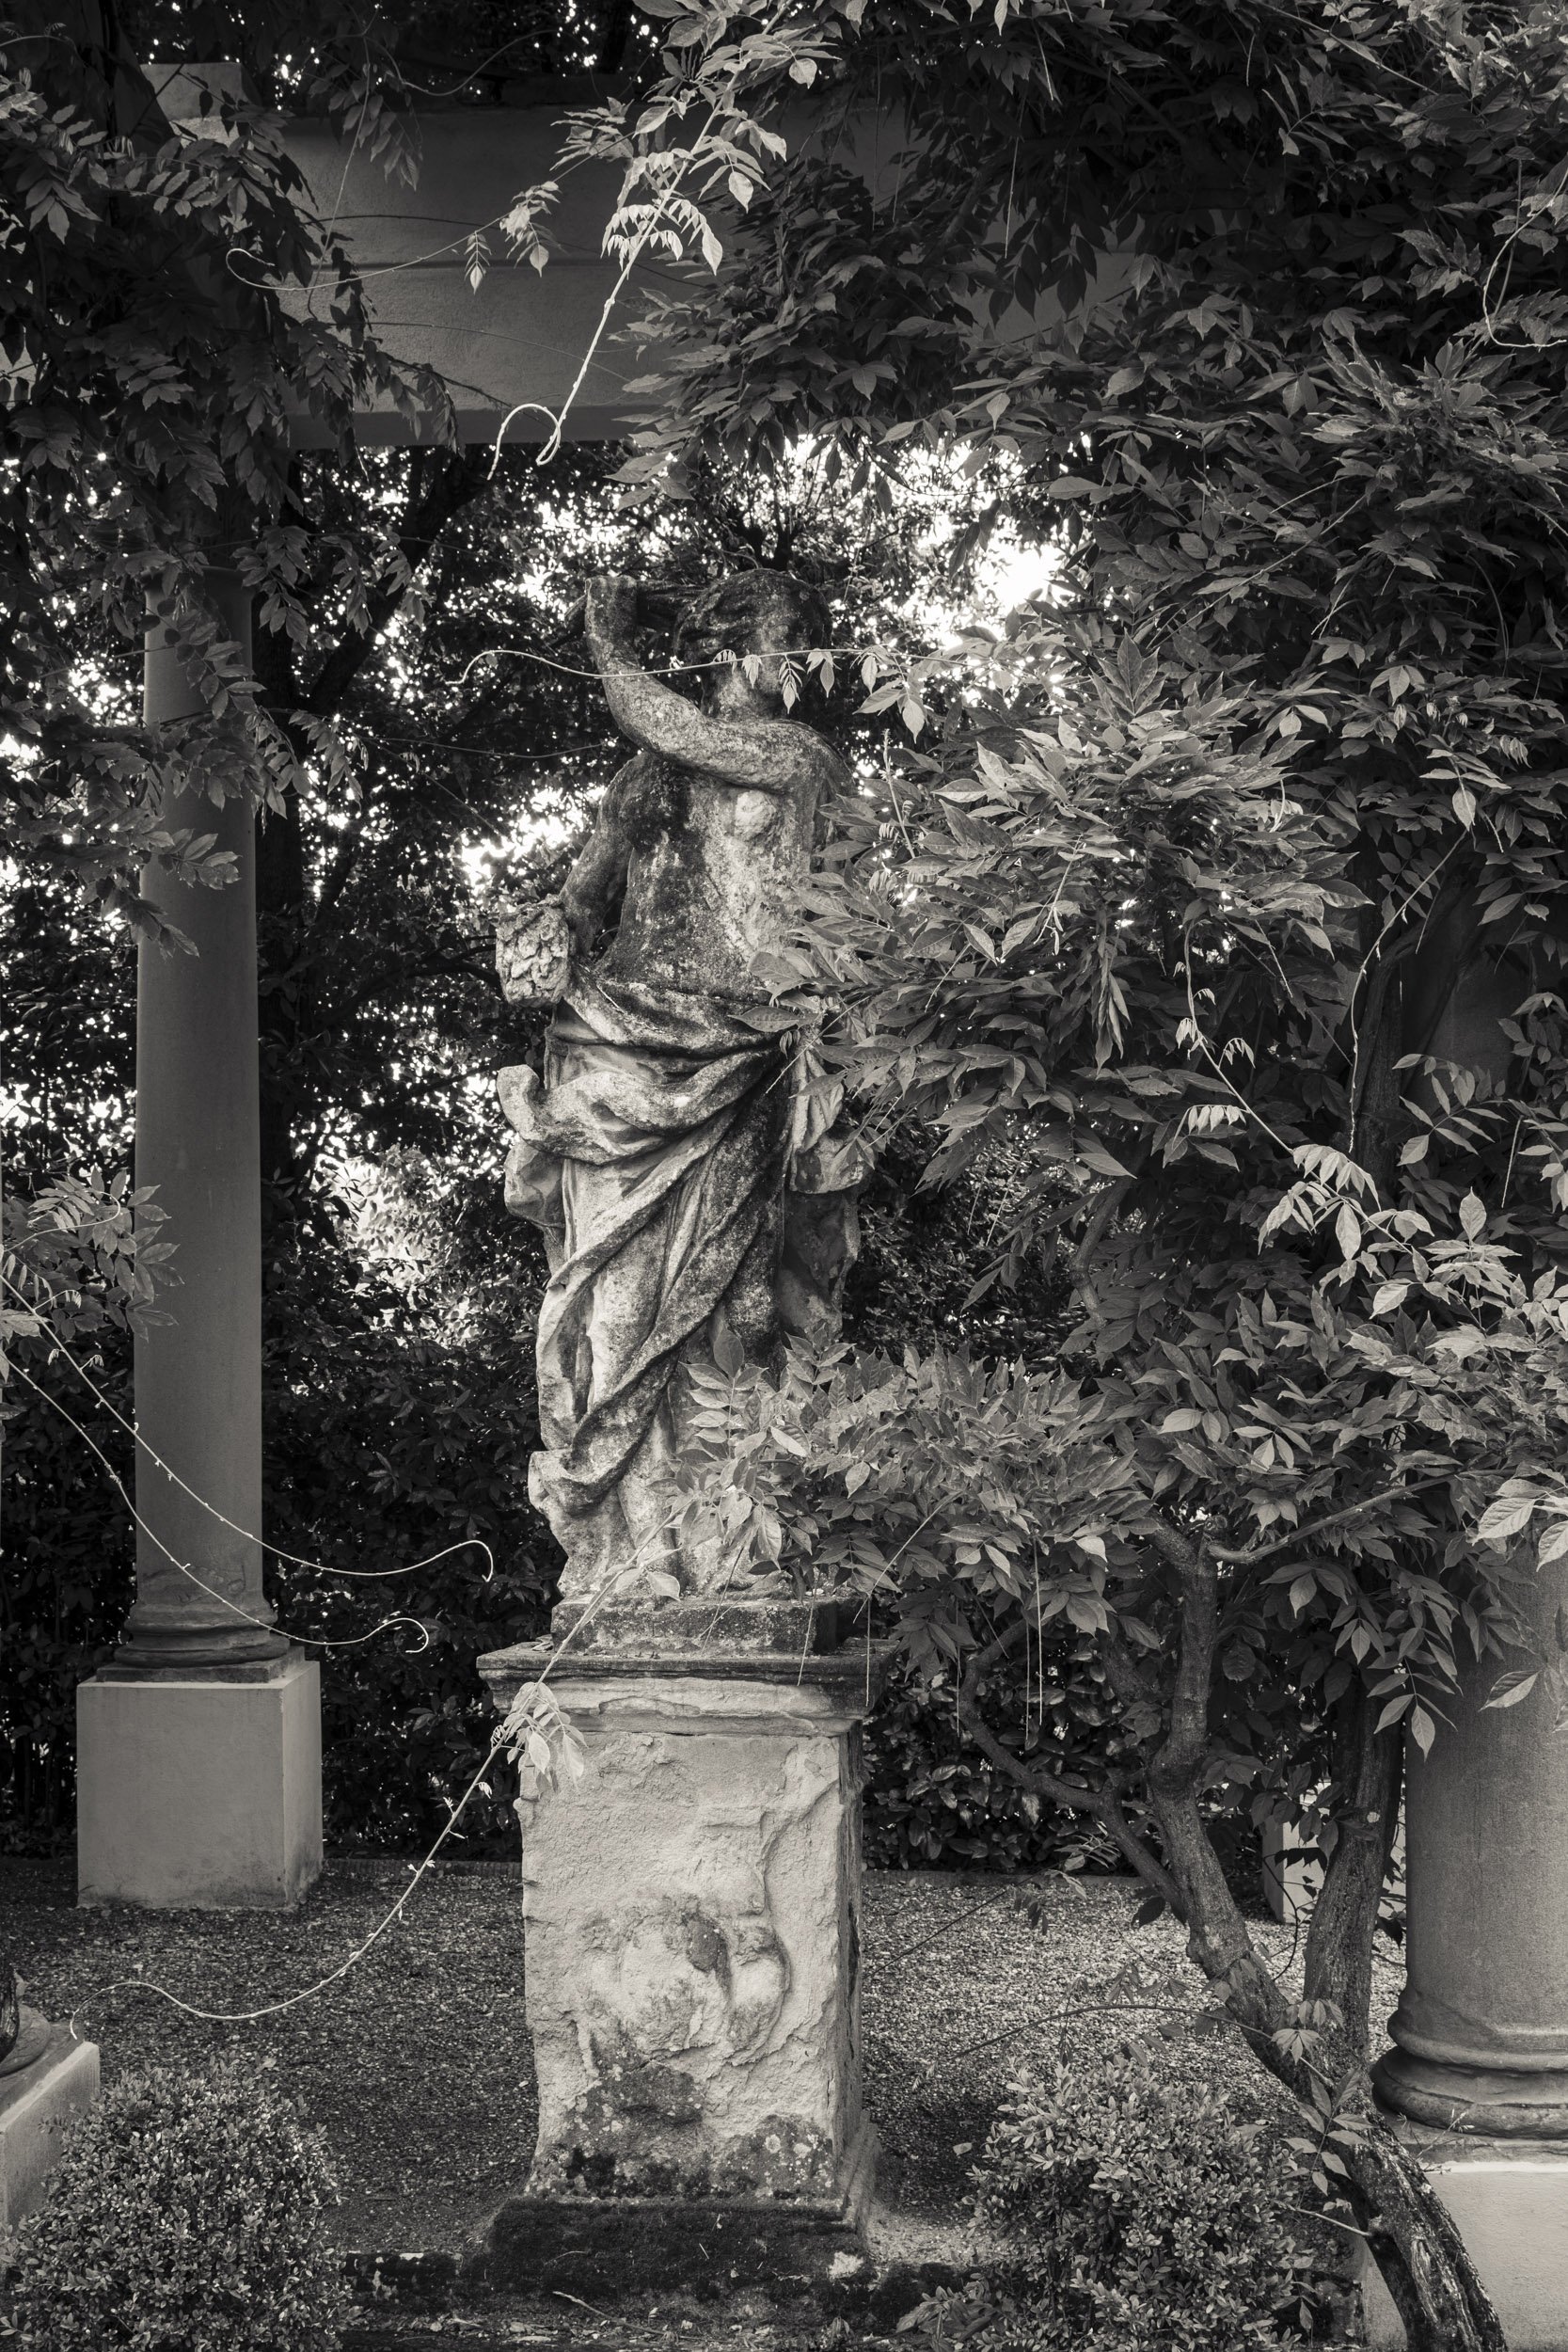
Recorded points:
(692, 1949)
(1480, 2065)
(37, 2102)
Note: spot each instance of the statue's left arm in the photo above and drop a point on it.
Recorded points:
(760, 755)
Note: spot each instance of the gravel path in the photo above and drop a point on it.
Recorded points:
(417, 2064)
(971, 1982)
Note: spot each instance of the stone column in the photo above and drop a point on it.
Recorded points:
(691, 1909)
(1480, 2033)
(1480, 2063)
(199, 1745)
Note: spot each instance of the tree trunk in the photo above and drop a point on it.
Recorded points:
(1367, 1768)
(1413, 2239)
(1409, 2231)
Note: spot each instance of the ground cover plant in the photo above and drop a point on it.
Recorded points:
(186, 2213)
(1131, 2215)
(417, 2066)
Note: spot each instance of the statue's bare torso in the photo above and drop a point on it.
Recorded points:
(706, 876)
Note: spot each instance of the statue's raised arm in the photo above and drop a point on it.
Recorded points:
(733, 735)
(688, 1209)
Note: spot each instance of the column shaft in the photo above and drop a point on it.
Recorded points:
(198, 1378)
(199, 1747)
(1481, 2028)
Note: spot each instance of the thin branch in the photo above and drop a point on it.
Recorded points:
(429, 513)
(1099, 1803)
(1335, 1518)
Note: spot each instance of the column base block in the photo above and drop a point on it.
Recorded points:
(1482, 2102)
(1510, 2199)
(36, 2105)
(198, 1793)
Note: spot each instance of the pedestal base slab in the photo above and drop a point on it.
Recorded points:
(1510, 2201)
(36, 2105)
(196, 1793)
(609, 2246)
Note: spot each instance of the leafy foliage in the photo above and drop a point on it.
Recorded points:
(69, 1582)
(935, 1801)
(1132, 2215)
(186, 2211)
(397, 1430)
(139, 441)
(1230, 892)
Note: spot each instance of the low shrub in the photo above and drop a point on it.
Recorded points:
(186, 2214)
(1133, 2216)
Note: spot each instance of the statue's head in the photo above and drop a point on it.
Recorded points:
(751, 612)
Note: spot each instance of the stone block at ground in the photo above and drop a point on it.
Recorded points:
(1510, 2203)
(38, 2104)
(198, 1791)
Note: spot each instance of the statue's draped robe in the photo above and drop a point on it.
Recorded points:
(654, 1157)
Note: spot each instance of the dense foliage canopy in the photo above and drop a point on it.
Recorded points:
(1227, 889)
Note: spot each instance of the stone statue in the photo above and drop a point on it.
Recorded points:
(694, 1204)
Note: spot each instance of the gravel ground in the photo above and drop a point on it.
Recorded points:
(969, 1982)
(418, 2066)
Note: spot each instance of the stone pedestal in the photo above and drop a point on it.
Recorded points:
(36, 2104)
(199, 1791)
(692, 1909)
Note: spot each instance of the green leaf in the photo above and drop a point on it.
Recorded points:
(1505, 1517)
(1510, 1689)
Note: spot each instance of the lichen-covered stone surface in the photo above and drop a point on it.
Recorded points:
(692, 1942)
